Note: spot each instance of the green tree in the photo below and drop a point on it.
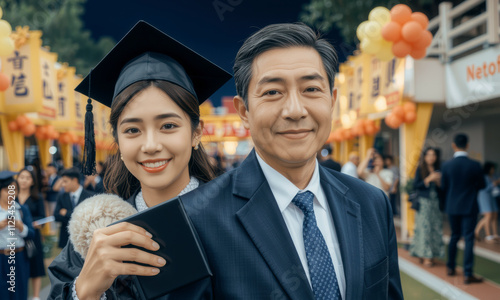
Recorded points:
(346, 15)
(62, 27)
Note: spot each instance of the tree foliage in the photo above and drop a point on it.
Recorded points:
(62, 27)
(346, 15)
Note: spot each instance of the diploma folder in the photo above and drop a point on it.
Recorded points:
(179, 246)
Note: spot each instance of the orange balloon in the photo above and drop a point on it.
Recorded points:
(22, 120)
(409, 106)
(74, 138)
(4, 82)
(401, 49)
(391, 32)
(410, 117)
(13, 126)
(398, 111)
(55, 135)
(424, 41)
(401, 13)
(43, 130)
(39, 136)
(411, 31)
(418, 53)
(29, 129)
(421, 19)
(389, 120)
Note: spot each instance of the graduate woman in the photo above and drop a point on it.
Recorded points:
(154, 86)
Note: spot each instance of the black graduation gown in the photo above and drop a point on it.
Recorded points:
(68, 264)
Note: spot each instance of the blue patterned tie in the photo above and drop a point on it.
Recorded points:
(323, 278)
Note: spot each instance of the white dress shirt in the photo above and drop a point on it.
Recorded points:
(460, 153)
(284, 191)
(76, 195)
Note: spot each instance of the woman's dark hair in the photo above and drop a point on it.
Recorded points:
(424, 169)
(280, 36)
(118, 179)
(488, 166)
(34, 187)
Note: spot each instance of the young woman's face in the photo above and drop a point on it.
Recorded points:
(430, 157)
(378, 161)
(25, 180)
(155, 139)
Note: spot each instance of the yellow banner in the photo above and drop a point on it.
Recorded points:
(23, 69)
(66, 99)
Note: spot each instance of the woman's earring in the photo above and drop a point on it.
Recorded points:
(121, 156)
(196, 147)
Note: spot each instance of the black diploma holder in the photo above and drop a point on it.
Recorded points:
(179, 246)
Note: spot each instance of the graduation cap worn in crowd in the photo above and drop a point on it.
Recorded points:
(145, 53)
(7, 175)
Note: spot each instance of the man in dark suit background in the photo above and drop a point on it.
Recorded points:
(328, 159)
(73, 195)
(461, 180)
(281, 226)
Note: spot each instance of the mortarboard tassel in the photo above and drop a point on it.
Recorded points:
(88, 164)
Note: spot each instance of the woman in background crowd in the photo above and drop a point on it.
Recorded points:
(29, 197)
(427, 243)
(488, 205)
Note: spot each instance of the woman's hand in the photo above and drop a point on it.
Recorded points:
(105, 258)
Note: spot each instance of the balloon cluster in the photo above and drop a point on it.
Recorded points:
(370, 34)
(398, 32)
(23, 124)
(406, 113)
(6, 48)
(46, 132)
(361, 127)
(408, 32)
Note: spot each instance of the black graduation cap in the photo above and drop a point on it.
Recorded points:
(7, 175)
(145, 53)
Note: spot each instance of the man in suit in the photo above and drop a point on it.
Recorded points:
(461, 180)
(328, 161)
(281, 226)
(73, 195)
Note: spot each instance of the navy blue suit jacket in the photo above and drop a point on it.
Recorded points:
(252, 255)
(461, 180)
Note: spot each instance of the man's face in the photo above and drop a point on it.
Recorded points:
(289, 106)
(69, 184)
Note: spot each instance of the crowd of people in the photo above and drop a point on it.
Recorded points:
(460, 188)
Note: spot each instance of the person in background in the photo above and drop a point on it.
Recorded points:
(488, 205)
(52, 189)
(29, 197)
(73, 195)
(15, 226)
(351, 166)
(92, 181)
(461, 180)
(428, 243)
(327, 160)
(394, 189)
(371, 170)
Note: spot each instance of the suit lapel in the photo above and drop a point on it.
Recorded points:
(347, 219)
(264, 224)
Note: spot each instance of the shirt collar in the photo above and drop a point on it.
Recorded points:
(77, 193)
(284, 190)
(460, 153)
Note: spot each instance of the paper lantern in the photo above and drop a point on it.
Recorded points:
(28, 129)
(13, 126)
(410, 117)
(4, 82)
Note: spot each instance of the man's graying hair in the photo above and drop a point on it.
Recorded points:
(280, 36)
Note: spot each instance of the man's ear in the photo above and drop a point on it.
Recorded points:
(239, 105)
(198, 133)
(334, 99)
